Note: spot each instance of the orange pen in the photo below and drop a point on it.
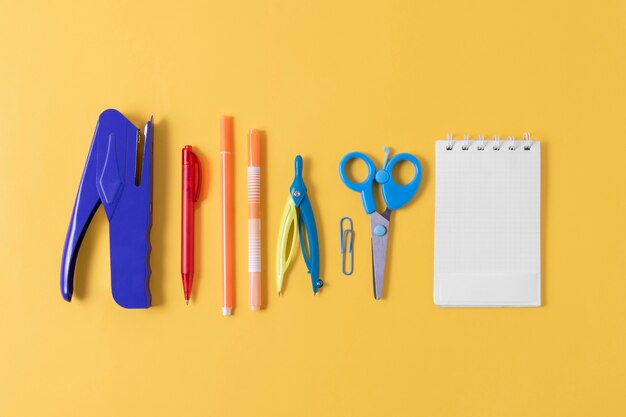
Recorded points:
(226, 135)
(254, 219)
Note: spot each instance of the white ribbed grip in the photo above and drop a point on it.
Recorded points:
(254, 185)
(254, 223)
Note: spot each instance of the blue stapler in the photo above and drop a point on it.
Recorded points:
(118, 174)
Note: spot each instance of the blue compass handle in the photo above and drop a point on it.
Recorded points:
(308, 230)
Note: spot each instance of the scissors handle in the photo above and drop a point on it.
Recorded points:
(397, 195)
(365, 188)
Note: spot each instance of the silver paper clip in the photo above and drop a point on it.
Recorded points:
(347, 239)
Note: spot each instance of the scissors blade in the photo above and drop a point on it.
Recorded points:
(379, 224)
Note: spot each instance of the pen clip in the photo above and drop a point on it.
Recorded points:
(197, 175)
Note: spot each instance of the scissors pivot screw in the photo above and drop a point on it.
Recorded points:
(296, 193)
(382, 176)
(380, 230)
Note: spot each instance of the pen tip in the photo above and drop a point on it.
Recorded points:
(187, 302)
(279, 293)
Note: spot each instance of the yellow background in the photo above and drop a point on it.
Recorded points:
(321, 78)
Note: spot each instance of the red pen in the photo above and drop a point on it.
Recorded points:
(190, 191)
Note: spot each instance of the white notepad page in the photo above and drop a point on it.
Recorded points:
(487, 224)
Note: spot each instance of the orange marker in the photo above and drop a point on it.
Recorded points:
(226, 124)
(254, 218)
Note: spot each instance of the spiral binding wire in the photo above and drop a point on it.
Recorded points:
(481, 143)
(496, 143)
(466, 143)
(511, 143)
(527, 141)
(450, 143)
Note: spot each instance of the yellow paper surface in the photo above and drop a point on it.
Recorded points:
(321, 78)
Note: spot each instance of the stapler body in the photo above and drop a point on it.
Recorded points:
(118, 175)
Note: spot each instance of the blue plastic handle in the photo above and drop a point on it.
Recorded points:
(310, 249)
(397, 196)
(110, 179)
(365, 188)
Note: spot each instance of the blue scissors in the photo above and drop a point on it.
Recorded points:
(395, 195)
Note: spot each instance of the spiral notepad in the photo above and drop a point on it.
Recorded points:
(487, 222)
